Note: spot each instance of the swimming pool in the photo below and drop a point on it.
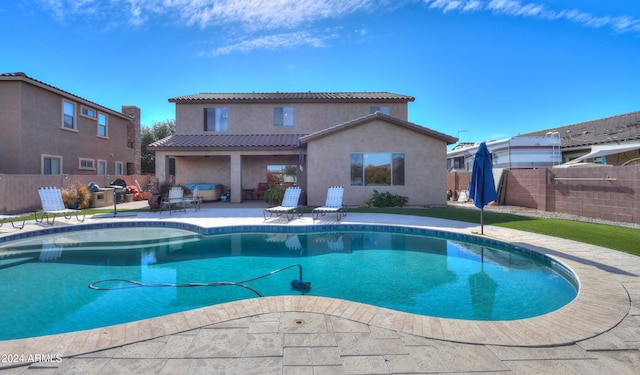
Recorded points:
(407, 269)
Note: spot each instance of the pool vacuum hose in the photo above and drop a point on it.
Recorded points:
(298, 284)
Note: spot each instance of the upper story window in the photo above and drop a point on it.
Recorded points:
(283, 116)
(384, 110)
(69, 115)
(102, 125)
(88, 112)
(377, 169)
(51, 164)
(216, 119)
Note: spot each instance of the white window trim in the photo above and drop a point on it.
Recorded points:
(93, 164)
(106, 126)
(75, 116)
(95, 113)
(121, 164)
(98, 167)
(44, 156)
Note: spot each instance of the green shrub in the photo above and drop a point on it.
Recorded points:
(386, 199)
(274, 196)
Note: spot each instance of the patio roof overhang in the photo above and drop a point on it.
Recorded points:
(228, 142)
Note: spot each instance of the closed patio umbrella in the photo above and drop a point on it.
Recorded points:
(482, 189)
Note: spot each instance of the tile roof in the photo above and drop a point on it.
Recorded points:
(20, 76)
(620, 128)
(379, 116)
(227, 141)
(254, 97)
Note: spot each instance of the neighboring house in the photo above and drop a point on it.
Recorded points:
(49, 131)
(359, 140)
(612, 140)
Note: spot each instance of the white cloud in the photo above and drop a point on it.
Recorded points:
(276, 42)
(265, 14)
(517, 8)
(251, 16)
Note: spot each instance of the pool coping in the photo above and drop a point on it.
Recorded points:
(601, 304)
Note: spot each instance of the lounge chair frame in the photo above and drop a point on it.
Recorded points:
(52, 205)
(195, 199)
(9, 218)
(289, 207)
(175, 199)
(333, 204)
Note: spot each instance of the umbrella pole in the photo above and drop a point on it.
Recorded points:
(482, 220)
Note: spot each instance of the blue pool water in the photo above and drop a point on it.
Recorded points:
(44, 281)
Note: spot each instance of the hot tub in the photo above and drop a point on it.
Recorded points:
(208, 192)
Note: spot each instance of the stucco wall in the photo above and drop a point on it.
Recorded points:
(328, 161)
(202, 169)
(34, 128)
(257, 118)
(10, 127)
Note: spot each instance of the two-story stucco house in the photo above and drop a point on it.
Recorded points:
(359, 140)
(46, 130)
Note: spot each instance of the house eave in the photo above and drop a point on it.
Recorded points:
(34, 82)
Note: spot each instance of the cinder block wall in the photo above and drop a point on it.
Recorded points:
(609, 193)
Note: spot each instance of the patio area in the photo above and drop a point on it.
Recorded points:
(597, 333)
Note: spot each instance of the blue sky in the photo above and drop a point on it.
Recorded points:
(479, 69)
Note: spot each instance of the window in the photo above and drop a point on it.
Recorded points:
(69, 115)
(102, 167)
(87, 164)
(216, 119)
(384, 110)
(278, 174)
(283, 116)
(51, 165)
(119, 168)
(102, 125)
(455, 163)
(88, 112)
(377, 169)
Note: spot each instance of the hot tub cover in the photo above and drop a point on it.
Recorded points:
(203, 186)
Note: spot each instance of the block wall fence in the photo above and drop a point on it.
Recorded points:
(609, 193)
(19, 192)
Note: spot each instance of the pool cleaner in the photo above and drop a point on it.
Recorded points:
(300, 285)
(297, 284)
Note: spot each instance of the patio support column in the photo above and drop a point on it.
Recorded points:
(236, 177)
(162, 166)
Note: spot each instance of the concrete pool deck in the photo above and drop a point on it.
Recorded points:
(599, 332)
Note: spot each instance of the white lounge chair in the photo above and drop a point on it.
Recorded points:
(289, 206)
(5, 218)
(333, 203)
(52, 205)
(175, 199)
(195, 199)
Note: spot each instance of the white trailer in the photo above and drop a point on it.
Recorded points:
(520, 152)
